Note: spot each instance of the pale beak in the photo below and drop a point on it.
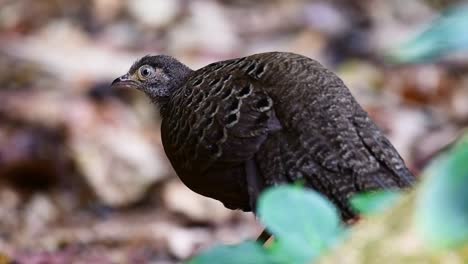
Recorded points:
(124, 81)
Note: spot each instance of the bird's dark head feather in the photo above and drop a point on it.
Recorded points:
(157, 76)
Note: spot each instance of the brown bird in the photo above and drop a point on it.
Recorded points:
(235, 127)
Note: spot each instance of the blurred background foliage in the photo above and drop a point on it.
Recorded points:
(82, 171)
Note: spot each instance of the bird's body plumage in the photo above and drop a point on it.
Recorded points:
(235, 127)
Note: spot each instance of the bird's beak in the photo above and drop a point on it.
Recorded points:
(124, 81)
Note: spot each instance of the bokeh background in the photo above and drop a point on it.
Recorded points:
(83, 176)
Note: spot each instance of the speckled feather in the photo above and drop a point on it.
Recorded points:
(237, 126)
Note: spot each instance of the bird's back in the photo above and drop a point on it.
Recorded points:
(239, 126)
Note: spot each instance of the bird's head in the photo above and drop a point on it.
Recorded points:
(157, 76)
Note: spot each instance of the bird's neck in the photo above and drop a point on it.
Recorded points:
(182, 74)
(162, 104)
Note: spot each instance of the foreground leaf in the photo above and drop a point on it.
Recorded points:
(374, 202)
(247, 252)
(303, 222)
(442, 206)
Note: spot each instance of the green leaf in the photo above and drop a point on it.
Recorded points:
(442, 206)
(248, 252)
(374, 202)
(303, 222)
(446, 34)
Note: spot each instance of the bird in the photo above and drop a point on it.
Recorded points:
(236, 127)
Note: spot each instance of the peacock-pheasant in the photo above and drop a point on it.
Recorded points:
(235, 127)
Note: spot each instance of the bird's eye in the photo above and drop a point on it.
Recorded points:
(145, 72)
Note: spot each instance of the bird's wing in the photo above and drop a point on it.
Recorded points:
(332, 146)
(214, 127)
(381, 149)
(219, 119)
(327, 139)
(338, 134)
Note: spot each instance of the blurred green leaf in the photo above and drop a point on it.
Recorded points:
(248, 252)
(374, 202)
(446, 34)
(303, 222)
(442, 206)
